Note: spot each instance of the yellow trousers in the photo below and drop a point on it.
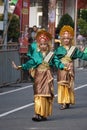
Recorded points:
(43, 106)
(65, 95)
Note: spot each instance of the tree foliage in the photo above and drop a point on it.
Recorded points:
(13, 31)
(66, 19)
(82, 13)
(14, 28)
(45, 14)
(82, 24)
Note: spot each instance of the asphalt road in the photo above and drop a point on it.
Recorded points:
(17, 108)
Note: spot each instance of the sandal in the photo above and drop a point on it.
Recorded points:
(63, 107)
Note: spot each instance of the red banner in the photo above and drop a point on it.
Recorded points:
(24, 22)
(18, 8)
(82, 4)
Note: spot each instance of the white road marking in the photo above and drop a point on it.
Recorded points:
(11, 91)
(41, 128)
(17, 109)
(82, 86)
(28, 105)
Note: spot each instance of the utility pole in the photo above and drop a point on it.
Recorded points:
(5, 24)
(75, 30)
(52, 18)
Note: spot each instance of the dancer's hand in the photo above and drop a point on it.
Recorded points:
(70, 66)
(14, 65)
(81, 48)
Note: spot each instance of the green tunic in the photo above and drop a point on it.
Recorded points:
(37, 59)
(32, 48)
(60, 52)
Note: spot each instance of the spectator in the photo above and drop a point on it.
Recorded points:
(80, 38)
(34, 32)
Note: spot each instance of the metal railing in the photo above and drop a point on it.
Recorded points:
(7, 74)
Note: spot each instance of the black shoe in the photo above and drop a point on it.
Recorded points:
(67, 105)
(44, 118)
(39, 118)
(35, 118)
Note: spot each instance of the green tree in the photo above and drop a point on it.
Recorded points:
(66, 19)
(82, 24)
(45, 13)
(82, 13)
(14, 28)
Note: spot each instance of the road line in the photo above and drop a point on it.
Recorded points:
(82, 86)
(41, 128)
(15, 110)
(15, 90)
(11, 91)
(28, 105)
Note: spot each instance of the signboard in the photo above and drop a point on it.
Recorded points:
(24, 22)
(25, 14)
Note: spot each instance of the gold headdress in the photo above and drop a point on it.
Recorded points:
(43, 35)
(68, 31)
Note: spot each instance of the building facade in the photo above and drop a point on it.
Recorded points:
(35, 13)
(62, 7)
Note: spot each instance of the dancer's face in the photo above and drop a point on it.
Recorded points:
(66, 38)
(43, 45)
